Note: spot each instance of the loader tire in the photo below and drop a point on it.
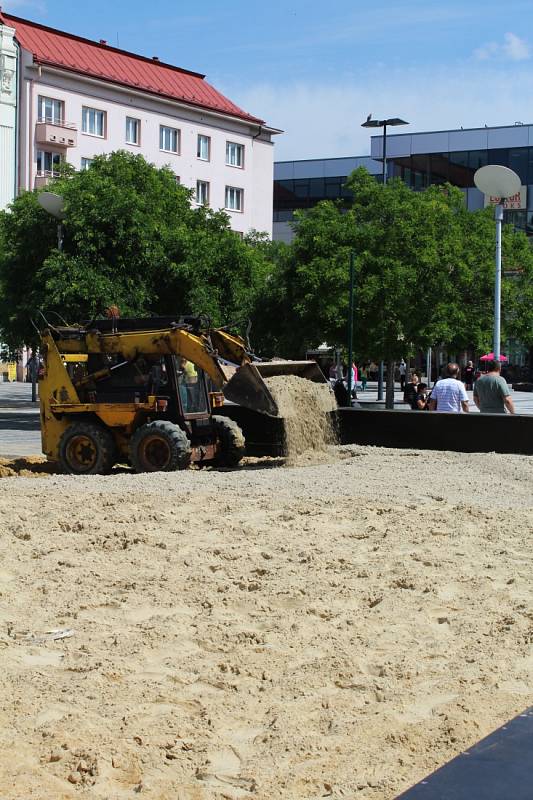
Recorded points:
(231, 439)
(160, 446)
(86, 448)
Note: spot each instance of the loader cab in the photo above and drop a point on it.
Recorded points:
(171, 378)
(189, 386)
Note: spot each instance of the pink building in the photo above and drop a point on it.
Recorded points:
(67, 98)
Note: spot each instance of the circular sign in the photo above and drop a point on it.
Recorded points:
(53, 203)
(497, 181)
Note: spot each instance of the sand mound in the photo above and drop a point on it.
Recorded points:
(306, 409)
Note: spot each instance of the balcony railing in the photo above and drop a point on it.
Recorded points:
(44, 176)
(58, 133)
(60, 122)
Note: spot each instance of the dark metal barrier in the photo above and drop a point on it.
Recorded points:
(418, 430)
(424, 430)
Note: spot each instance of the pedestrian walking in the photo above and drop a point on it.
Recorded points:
(364, 377)
(403, 370)
(355, 375)
(449, 394)
(491, 392)
(468, 375)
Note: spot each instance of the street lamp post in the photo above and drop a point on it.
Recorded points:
(497, 183)
(382, 123)
(349, 374)
(53, 203)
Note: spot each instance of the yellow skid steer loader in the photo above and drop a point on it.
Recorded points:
(144, 392)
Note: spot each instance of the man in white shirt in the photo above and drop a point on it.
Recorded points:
(449, 394)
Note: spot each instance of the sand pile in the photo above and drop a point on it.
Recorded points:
(306, 409)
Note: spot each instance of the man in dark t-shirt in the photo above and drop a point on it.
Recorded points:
(491, 392)
(410, 392)
(468, 375)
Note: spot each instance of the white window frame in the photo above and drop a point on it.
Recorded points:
(202, 193)
(136, 127)
(235, 155)
(56, 115)
(234, 199)
(49, 170)
(85, 163)
(174, 136)
(203, 139)
(89, 117)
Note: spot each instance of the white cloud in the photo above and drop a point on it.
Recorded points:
(513, 48)
(323, 120)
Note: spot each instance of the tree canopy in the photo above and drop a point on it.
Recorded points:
(424, 273)
(131, 239)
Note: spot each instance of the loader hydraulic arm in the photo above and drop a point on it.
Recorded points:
(195, 347)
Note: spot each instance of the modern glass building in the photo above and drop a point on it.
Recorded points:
(419, 159)
(302, 184)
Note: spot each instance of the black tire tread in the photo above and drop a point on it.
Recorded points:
(233, 445)
(181, 456)
(106, 447)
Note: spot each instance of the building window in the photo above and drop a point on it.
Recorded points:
(203, 148)
(234, 154)
(169, 139)
(234, 198)
(202, 193)
(50, 110)
(133, 130)
(86, 163)
(48, 163)
(93, 121)
(178, 180)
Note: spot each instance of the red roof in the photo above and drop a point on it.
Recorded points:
(75, 54)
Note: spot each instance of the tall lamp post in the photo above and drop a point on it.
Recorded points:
(383, 123)
(53, 203)
(349, 373)
(497, 183)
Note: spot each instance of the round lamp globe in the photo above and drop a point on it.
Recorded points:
(497, 181)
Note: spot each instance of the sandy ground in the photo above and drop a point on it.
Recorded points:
(270, 632)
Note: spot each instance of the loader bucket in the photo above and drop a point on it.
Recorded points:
(247, 387)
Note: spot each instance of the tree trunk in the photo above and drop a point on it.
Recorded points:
(389, 394)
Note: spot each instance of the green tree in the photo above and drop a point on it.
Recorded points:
(424, 271)
(131, 238)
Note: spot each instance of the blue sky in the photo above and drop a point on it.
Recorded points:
(316, 69)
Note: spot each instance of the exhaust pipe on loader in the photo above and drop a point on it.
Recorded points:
(248, 388)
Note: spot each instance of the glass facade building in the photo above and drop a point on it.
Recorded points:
(302, 184)
(419, 159)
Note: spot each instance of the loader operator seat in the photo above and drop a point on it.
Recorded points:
(190, 386)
